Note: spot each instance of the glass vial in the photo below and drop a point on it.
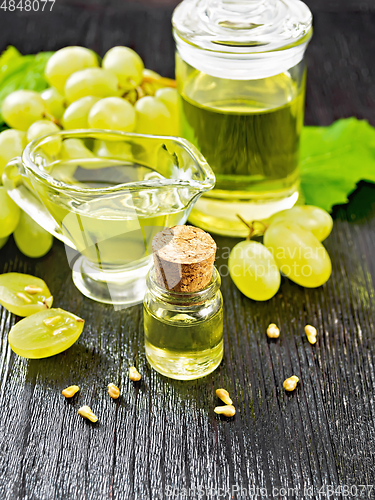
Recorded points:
(183, 324)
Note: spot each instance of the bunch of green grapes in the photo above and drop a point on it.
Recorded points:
(291, 245)
(118, 95)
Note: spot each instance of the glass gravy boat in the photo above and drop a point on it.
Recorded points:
(105, 195)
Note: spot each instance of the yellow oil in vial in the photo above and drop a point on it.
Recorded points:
(182, 345)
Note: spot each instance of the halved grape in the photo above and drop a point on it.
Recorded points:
(298, 254)
(96, 82)
(125, 64)
(67, 61)
(77, 113)
(254, 271)
(9, 214)
(55, 102)
(23, 294)
(314, 219)
(112, 113)
(30, 238)
(153, 117)
(22, 108)
(45, 333)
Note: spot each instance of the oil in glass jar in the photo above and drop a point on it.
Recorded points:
(241, 79)
(183, 306)
(251, 140)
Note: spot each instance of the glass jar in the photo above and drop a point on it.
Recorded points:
(183, 331)
(241, 81)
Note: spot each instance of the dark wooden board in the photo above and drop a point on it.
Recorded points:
(163, 434)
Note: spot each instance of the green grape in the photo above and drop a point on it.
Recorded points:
(152, 117)
(55, 102)
(3, 241)
(67, 61)
(254, 271)
(9, 214)
(12, 143)
(45, 333)
(169, 97)
(298, 254)
(22, 108)
(74, 149)
(31, 239)
(125, 64)
(45, 127)
(314, 219)
(112, 113)
(96, 82)
(113, 149)
(77, 113)
(23, 294)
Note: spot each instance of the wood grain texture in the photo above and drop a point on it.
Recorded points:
(163, 434)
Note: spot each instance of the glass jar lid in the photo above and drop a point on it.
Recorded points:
(242, 39)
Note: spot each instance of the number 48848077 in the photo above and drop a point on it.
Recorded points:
(27, 5)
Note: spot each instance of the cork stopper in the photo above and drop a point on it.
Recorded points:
(184, 257)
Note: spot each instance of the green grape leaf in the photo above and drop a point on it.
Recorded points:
(334, 159)
(9, 54)
(21, 72)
